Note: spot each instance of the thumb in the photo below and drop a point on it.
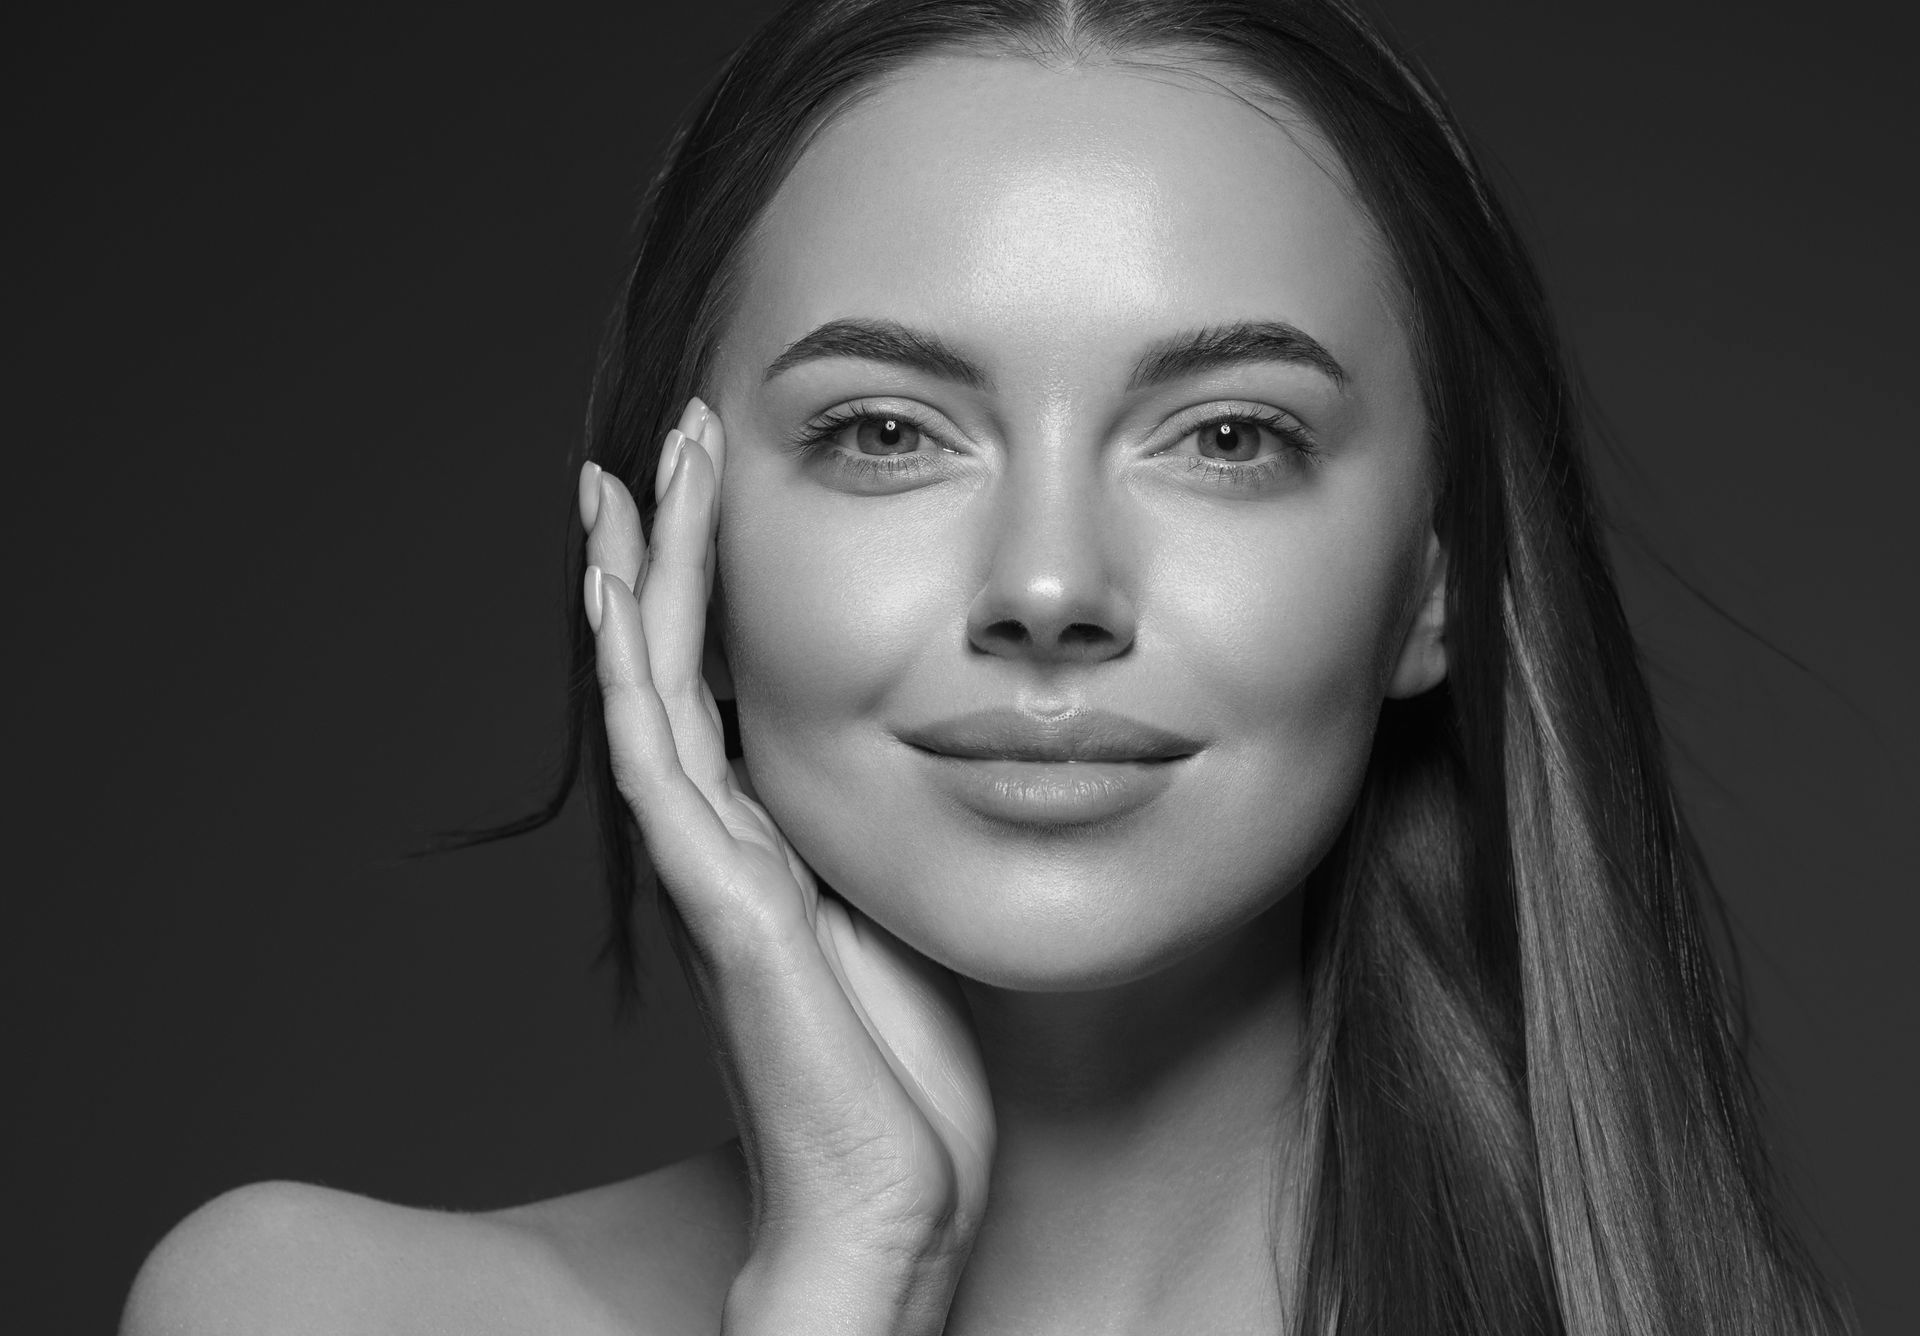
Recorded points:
(919, 1016)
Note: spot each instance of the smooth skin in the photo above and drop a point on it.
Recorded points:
(988, 1077)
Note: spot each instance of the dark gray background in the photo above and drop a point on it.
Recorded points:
(300, 312)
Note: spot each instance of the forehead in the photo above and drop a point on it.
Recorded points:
(1053, 219)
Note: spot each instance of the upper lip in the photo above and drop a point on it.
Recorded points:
(1080, 735)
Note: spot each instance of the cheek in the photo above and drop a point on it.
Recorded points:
(1295, 642)
(1289, 654)
(822, 613)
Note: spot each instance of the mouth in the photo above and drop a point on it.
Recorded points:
(1083, 768)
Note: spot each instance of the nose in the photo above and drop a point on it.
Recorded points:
(1055, 588)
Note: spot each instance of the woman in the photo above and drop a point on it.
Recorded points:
(1196, 853)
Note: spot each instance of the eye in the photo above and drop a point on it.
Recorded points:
(871, 442)
(1229, 446)
(884, 435)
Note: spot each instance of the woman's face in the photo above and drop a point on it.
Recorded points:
(1063, 283)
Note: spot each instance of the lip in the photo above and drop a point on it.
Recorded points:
(1051, 793)
(1083, 735)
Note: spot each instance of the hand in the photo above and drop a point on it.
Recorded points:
(849, 1058)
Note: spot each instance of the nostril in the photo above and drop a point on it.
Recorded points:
(1053, 631)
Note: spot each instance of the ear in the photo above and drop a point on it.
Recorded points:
(1423, 652)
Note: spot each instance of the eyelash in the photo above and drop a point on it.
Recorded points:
(1298, 448)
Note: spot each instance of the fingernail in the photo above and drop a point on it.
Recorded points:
(593, 596)
(606, 491)
(669, 461)
(693, 419)
(589, 494)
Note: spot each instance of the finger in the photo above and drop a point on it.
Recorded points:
(685, 839)
(615, 543)
(915, 1010)
(697, 858)
(673, 613)
(693, 421)
(714, 438)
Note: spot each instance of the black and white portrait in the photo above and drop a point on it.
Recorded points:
(963, 666)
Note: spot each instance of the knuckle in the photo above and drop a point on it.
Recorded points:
(674, 684)
(633, 782)
(636, 769)
(678, 563)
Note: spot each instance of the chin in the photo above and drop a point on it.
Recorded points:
(1043, 967)
(1066, 933)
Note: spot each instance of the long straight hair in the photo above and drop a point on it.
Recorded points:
(1528, 1107)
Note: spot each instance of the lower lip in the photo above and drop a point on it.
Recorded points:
(1061, 793)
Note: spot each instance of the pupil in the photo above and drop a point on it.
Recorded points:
(1231, 436)
(886, 433)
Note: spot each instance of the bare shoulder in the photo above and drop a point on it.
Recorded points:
(660, 1249)
(291, 1259)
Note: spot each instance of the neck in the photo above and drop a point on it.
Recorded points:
(1141, 1130)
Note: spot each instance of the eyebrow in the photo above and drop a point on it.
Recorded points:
(1184, 354)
